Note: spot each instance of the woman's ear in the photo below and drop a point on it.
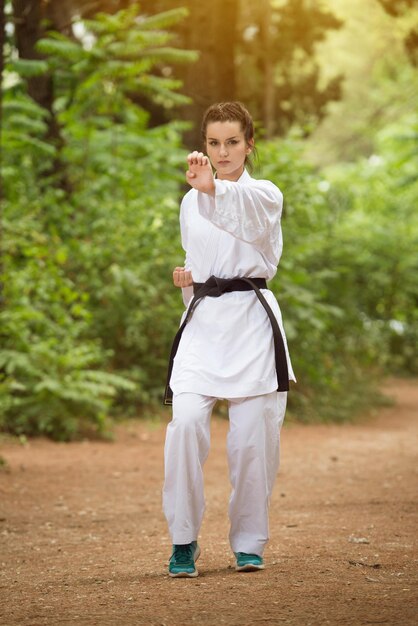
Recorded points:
(250, 145)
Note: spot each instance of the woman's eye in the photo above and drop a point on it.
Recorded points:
(231, 142)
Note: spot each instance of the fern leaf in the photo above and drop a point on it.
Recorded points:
(25, 123)
(170, 55)
(17, 138)
(163, 20)
(28, 67)
(109, 378)
(13, 361)
(63, 48)
(161, 89)
(25, 106)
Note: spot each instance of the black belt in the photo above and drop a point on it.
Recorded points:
(215, 287)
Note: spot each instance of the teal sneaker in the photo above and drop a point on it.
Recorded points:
(182, 561)
(248, 562)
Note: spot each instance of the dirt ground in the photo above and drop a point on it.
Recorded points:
(83, 539)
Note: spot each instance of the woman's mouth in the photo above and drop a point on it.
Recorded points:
(223, 162)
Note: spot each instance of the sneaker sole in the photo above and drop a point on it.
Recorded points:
(250, 567)
(184, 574)
(188, 574)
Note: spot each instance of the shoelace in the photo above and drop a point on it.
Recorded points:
(183, 553)
(241, 554)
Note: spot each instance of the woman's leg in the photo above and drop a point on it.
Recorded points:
(253, 446)
(186, 450)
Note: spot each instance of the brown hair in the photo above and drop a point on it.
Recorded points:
(230, 112)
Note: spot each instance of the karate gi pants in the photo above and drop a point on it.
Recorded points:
(253, 449)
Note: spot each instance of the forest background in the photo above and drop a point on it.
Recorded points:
(100, 101)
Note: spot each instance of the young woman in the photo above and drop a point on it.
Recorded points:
(231, 343)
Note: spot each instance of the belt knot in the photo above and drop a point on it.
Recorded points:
(215, 286)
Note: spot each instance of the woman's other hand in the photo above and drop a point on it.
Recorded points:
(199, 175)
(182, 277)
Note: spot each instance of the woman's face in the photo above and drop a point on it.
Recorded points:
(226, 148)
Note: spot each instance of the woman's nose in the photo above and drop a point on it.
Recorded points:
(223, 151)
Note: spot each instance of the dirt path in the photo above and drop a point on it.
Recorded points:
(83, 539)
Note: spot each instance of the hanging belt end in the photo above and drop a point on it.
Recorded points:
(283, 386)
(168, 396)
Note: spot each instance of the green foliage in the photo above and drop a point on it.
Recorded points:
(47, 384)
(379, 88)
(89, 310)
(24, 127)
(380, 195)
(347, 282)
(87, 272)
(119, 64)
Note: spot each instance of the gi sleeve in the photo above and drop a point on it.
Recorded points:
(250, 212)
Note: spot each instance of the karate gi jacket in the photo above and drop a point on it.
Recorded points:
(227, 349)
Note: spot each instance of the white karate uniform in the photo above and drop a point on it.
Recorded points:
(227, 351)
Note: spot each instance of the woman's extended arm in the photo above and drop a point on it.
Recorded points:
(250, 210)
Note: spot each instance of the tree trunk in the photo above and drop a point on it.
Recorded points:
(2, 41)
(212, 30)
(267, 65)
(225, 38)
(29, 17)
